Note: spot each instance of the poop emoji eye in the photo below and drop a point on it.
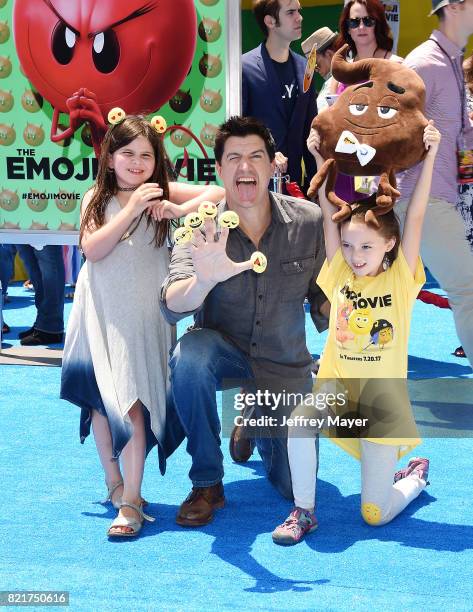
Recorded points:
(358, 109)
(386, 112)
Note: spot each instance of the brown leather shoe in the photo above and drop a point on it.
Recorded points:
(197, 509)
(241, 448)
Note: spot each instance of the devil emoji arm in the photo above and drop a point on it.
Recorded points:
(55, 137)
(90, 111)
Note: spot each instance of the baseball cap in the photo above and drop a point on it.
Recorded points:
(322, 38)
(438, 4)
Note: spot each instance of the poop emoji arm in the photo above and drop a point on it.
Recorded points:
(387, 192)
(329, 172)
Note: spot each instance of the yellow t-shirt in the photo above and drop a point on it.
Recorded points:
(368, 339)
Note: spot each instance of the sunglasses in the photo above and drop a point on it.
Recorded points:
(355, 22)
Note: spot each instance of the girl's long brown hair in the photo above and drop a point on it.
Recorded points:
(119, 136)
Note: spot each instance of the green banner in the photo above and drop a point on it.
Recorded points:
(43, 181)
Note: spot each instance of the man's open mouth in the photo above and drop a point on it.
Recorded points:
(246, 187)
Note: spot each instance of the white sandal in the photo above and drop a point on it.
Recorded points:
(131, 523)
(111, 490)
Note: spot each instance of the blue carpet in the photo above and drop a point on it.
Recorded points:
(53, 528)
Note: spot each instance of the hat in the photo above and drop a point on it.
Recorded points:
(321, 38)
(438, 4)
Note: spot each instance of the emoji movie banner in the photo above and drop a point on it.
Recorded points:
(163, 57)
(393, 17)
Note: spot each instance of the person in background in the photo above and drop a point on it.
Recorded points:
(465, 190)
(445, 249)
(364, 27)
(465, 200)
(7, 258)
(272, 87)
(324, 41)
(45, 268)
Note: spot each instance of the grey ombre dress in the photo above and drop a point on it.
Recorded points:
(117, 342)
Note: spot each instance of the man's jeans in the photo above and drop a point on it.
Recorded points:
(201, 360)
(7, 258)
(46, 272)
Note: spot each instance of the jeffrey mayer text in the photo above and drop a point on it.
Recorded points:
(301, 421)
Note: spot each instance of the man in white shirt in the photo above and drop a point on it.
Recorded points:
(324, 41)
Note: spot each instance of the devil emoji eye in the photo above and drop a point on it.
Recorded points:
(106, 51)
(386, 112)
(63, 43)
(358, 109)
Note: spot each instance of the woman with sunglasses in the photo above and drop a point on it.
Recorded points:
(364, 27)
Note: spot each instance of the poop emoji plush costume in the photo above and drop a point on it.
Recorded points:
(374, 128)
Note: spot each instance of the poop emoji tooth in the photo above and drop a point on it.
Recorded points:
(193, 220)
(229, 219)
(208, 210)
(182, 235)
(259, 262)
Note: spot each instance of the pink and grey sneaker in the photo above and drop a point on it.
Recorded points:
(418, 466)
(294, 528)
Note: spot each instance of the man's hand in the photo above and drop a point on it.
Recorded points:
(281, 162)
(211, 262)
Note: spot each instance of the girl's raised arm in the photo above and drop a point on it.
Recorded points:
(412, 234)
(185, 198)
(331, 229)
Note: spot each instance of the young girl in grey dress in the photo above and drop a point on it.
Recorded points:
(117, 343)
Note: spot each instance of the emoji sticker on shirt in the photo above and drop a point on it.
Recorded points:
(259, 262)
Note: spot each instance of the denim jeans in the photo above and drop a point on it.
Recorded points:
(199, 363)
(7, 258)
(46, 272)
